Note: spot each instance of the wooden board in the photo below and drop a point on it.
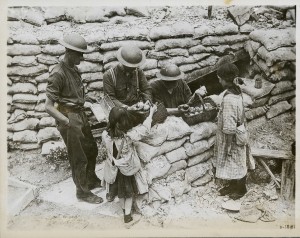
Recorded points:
(271, 154)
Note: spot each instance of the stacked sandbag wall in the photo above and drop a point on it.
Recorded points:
(33, 50)
(175, 157)
(273, 59)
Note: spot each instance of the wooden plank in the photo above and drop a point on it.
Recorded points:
(287, 179)
(271, 154)
(269, 171)
(197, 74)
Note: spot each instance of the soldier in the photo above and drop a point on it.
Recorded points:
(65, 88)
(126, 85)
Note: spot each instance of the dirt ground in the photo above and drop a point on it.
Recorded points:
(201, 205)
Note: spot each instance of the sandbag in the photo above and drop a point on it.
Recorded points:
(109, 56)
(47, 59)
(293, 103)
(14, 13)
(40, 107)
(42, 97)
(256, 112)
(116, 45)
(189, 67)
(219, 40)
(96, 14)
(34, 17)
(137, 11)
(38, 115)
(175, 43)
(199, 49)
(221, 49)
(179, 187)
(180, 60)
(110, 65)
(279, 66)
(247, 100)
(9, 60)
(25, 38)
(200, 158)
(27, 136)
(76, 14)
(48, 133)
(147, 152)
(24, 106)
(281, 97)
(27, 71)
(85, 67)
(197, 171)
(47, 122)
(16, 116)
(42, 87)
(18, 49)
(26, 124)
(22, 88)
(179, 29)
(274, 38)
(151, 73)
(9, 99)
(176, 166)
(282, 87)
(278, 108)
(53, 50)
(202, 131)
(176, 155)
(246, 28)
(249, 88)
(211, 60)
(149, 64)
(260, 102)
(29, 146)
(196, 148)
(226, 29)
(52, 145)
(211, 141)
(157, 168)
(158, 135)
(177, 128)
(158, 55)
(93, 57)
(114, 11)
(24, 98)
(177, 52)
(240, 14)
(91, 77)
(98, 85)
(237, 46)
(120, 33)
(206, 178)
(50, 37)
(96, 38)
(163, 192)
(43, 78)
(9, 136)
(54, 14)
(203, 30)
(281, 75)
(280, 54)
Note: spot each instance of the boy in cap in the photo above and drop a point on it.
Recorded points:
(65, 88)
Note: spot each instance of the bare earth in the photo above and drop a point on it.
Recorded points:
(201, 206)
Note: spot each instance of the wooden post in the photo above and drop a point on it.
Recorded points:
(287, 179)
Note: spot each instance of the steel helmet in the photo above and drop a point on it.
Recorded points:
(131, 56)
(170, 72)
(75, 42)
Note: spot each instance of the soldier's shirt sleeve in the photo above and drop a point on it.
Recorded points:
(145, 87)
(109, 89)
(54, 87)
(187, 92)
(229, 115)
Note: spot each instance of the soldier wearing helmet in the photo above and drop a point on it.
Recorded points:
(126, 84)
(65, 88)
(170, 88)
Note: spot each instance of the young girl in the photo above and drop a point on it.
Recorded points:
(119, 137)
(231, 158)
